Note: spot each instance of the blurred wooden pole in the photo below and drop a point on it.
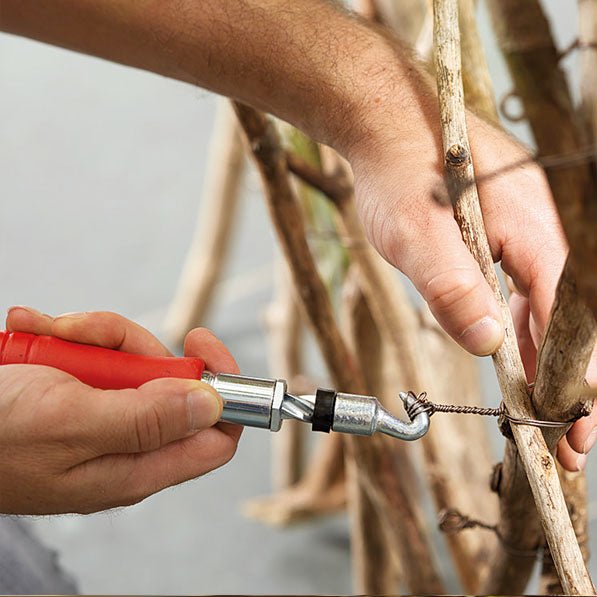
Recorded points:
(372, 455)
(374, 567)
(285, 335)
(399, 322)
(214, 230)
(478, 87)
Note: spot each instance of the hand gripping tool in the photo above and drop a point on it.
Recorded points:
(250, 401)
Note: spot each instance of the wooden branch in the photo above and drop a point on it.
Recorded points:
(471, 466)
(524, 35)
(372, 455)
(209, 248)
(536, 458)
(399, 321)
(563, 359)
(526, 40)
(478, 88)
(373, 566)
(333, 187)
(320, 492)
(587, 37)
(574, 486)
(284, 325)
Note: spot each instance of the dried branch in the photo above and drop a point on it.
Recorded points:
(574, 486)
(211, 241)
(284, 327)
(563, 359)
(587, 38)
(536, 459)
(478, 88)
(373, 455)
(525, 38)
(399, 321)
(374, 566)
(320, 492)
(333, 187)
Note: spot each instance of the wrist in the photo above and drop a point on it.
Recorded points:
(389, 102)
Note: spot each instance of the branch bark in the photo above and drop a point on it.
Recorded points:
(443, 445)
(587, 38)
(524, 35)
(372, 554)
(535, 457)
(373, 455)
(209, 248)
(574, 486)
(525, 38)
(284, 326)
(478, 88)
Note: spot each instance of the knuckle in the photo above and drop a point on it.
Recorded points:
(148, 428)
(446, 290)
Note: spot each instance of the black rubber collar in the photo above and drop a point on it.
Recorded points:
(323, 414)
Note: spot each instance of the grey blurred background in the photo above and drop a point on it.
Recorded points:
(101, 169)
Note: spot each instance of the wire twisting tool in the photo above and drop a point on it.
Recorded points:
(249, 401)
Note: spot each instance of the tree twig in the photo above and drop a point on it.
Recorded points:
(574, 486)
(399, 322)
(526, 40)
(211, 241)
(283, 319)
(536, 459)
(524, 35)
(372, 455)
(375, 565)
(478, 88)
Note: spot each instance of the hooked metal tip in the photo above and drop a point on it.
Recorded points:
(414, 429)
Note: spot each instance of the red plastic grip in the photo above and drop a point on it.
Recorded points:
(98, 367)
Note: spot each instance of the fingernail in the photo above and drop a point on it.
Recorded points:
(23, 308)
(205, 409)
(581, 462)
(73, 315)
(483, 337)
(590, 441)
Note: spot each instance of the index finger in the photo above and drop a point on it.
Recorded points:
(104, 329)
(203, 343)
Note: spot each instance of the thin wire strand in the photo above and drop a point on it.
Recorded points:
(423, 404)
(452, 521)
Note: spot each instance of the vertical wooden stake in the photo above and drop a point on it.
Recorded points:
(285, 334)
(212, 239)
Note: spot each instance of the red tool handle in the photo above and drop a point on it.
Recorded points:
(98, 367)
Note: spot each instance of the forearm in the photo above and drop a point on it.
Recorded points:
(308, 62)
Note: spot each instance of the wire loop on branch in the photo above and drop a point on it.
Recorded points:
(422, 404)
(452, 521)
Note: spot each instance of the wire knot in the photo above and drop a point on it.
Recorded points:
(420, 403)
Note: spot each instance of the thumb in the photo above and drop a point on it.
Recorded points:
(158, 413)
(443, 270)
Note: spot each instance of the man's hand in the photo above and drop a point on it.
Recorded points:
(395, 197)
(351, 86)
(66, 447)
